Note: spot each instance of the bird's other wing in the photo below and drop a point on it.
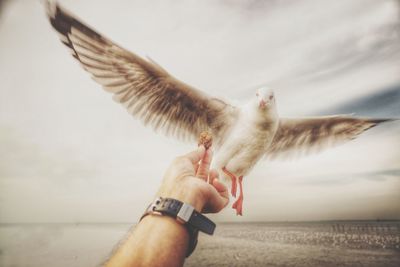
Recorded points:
(143, 87)
(296, 137)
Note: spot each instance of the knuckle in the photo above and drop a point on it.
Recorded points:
(201, 173)
(177, 160)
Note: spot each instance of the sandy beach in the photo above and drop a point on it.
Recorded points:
(246, 244)
(300, 244)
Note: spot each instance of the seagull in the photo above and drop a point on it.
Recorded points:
(242, 134)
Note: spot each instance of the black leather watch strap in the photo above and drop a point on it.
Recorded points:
(202, 223)
(184, 213)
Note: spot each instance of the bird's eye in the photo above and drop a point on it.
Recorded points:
(257, 94)
(271, 97)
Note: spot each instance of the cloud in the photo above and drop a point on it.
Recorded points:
(371, 41)
(384, 103)
(349, 178)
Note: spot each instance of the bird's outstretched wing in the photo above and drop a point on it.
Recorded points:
(143, 87)
(296, 137)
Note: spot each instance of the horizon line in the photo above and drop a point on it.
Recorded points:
(219, 222)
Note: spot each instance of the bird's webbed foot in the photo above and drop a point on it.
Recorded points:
(238, 204)
(233, 180)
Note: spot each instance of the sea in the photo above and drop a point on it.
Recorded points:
(327, 243)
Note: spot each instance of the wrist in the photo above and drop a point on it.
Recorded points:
(186, 193)
(184, 214)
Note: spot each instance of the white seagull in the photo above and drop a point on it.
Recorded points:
(242, 135)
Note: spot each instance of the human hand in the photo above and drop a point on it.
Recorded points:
(190, 180)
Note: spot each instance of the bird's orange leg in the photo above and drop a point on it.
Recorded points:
(233, 179)
(238, 205)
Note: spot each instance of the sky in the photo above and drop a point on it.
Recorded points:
(68, 153)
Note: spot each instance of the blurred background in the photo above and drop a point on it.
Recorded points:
(69, 154)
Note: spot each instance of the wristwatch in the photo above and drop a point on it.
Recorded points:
(185, 214)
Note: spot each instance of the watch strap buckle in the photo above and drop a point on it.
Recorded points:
(185, 212)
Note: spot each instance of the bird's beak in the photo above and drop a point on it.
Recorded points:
(263, 103)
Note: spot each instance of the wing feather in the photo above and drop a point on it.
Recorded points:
(144, 88)
(296, 137)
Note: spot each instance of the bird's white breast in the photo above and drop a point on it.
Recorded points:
(246, 143)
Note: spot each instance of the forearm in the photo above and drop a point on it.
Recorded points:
(162, 240)
(155, 241)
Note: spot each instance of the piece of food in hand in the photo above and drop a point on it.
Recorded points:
(205, 139)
